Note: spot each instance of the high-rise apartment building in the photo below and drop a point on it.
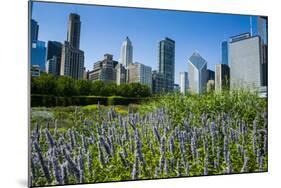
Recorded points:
(126, 56)
(72, 59)
(166, 62)
(183, 82)
(197, 74)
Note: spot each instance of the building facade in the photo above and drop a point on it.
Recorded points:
(34, 30)
(183, 82)
(245, 58)
(72, 58)
(53, 66)
(197, 74)
(126, 56)
(166, 62)
(121, 74)
(140, 73)
(104, 70)
(158, 82)
(210, 75)
(222, 78)
(38, 54)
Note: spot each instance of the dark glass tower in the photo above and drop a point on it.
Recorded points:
(34, 30)
(166, 62)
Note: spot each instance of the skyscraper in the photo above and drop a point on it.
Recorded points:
(224, 52)
(73, 31)
(34, 30)
(140, 73)
(126, 52)
(121, 74)
(183, 82)
(245, 62)
(53, 64)
(222, 78)
(166, 62)
(197, 76)
(158, 82)
(210, 75)
(38, 54)
(54, 48)
(72, 59)
(38, 48)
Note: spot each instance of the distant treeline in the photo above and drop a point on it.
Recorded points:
(47, 84)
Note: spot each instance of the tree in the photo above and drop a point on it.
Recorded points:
(66, 86)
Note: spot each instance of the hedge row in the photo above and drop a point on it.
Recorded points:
(51, 100)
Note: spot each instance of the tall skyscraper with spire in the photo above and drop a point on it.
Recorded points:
(126, 56)
(72, 59)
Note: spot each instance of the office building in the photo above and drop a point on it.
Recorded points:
(245, 59)
(53, 66)
(166, 63)
(34, 30)
(38, 48)
(224, 52)
(140, 73)
(104, 70)
(126, 56)
(38, 54)
(222, 77)
(72, 58)
(210, 75)
(121, 74)
(158, 82)
(197, 74)
(183, 82)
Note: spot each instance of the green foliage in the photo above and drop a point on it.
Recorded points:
(169, 113)
(47, 84)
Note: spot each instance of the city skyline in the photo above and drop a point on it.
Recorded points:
(99, 43)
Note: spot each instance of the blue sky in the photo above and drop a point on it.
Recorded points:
(104, 28)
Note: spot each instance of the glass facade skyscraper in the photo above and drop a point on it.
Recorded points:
(166, 62)
(224, 52)
(197, 75)
(34, 30)
(38, 54)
